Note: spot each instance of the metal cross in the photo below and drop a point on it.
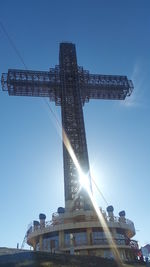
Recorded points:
(69, 86)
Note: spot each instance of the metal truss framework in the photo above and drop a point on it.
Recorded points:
(69, 86)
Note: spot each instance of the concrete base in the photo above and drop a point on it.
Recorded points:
(13, 258)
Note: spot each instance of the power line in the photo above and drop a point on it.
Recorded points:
(101, 194)
(48, 104)
(12, 44)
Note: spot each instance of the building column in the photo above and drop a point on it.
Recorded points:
(124, 254)
(113, 232)
(41, 242)
(61, 239)
(34, 245)
(89, 236)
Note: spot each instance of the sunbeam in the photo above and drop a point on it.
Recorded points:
(84, 182)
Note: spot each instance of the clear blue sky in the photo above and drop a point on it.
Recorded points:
(111, 37)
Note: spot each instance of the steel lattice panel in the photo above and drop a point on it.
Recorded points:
(72, 119)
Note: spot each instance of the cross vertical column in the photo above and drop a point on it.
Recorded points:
(73, 124)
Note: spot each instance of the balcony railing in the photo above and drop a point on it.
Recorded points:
(49, 224)
(105, 242)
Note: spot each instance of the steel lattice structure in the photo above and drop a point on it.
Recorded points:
(69, 86)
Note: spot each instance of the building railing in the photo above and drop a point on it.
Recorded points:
(105, 241)
(58, 220)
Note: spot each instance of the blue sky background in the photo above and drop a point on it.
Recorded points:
(111, 37)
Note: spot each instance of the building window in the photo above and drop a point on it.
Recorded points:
(98, 237)
(51, 243)
(37, 247)
(108, 254)
(75, 239)
(120, 239)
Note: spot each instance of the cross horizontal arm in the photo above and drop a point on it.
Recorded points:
(95, 86)
(32, 83)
